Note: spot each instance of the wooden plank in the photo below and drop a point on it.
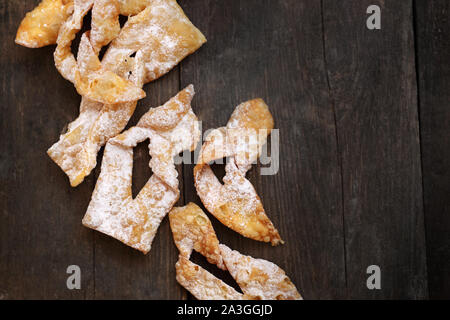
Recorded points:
(433, 45)
(273, 50)
(351, 108)
(373, 84)
(40, 230)
(124, 273)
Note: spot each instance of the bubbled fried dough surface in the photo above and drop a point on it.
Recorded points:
(163, 32)
(235, 203)
(105, 24)
(40, 26)
(112, 209)
(258, 278)
(192, 230)
(94, 82)
(132, 7)
(76, 151)
(64, 59)
(202, 284)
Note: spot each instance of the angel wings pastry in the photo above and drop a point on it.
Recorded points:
(171, 129)
(154, 39)
(149, 45)
(257, 278)
(235, 202)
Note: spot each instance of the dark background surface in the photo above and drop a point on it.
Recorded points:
(364, 175)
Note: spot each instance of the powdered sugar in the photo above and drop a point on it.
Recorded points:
(235, 203)
(112, 209)
(162, 32)
(258, 278)
(158, 47)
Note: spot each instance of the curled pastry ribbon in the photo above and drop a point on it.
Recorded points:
(236, 203)
(171, 129)
(258, 279)
(149, 45)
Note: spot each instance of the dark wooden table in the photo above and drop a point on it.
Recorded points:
(364, 178)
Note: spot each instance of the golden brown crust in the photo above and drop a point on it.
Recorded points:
(202, 284)
(162, 32)
(259, 279)
(64, 59)
(76, 151)
(105, 23)
(99, 83)
(112, 209)
(40, 26)
(132, 7)
(236, 203)
(94, 82)
(192, 230)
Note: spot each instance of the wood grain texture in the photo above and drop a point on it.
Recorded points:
(433, 46)
(348, 193)
(273, 50)
(41, 232)
(373, 87)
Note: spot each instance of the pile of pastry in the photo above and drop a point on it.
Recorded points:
(156, 37)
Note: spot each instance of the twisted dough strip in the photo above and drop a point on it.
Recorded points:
(93, 81)
(96, 83)
(235, 203)
(192, 230)
(164, 34)
(105, 24)
(76, 151)
(40, 26)
(64, 60)
(258, 278)
(171, 129)
(60, 20)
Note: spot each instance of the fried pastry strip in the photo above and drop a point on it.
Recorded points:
(40, 26)
(112, 209)
(258, 278)
(192, 230)
(163, 32)
(64, 59)
(105, 23)
(76, 151)
(236, 203)
(202, 284)
(94, 82)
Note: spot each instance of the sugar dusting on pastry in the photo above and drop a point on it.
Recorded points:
(154, 39)
(236, 203)
(112, 209)
(258, 279)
